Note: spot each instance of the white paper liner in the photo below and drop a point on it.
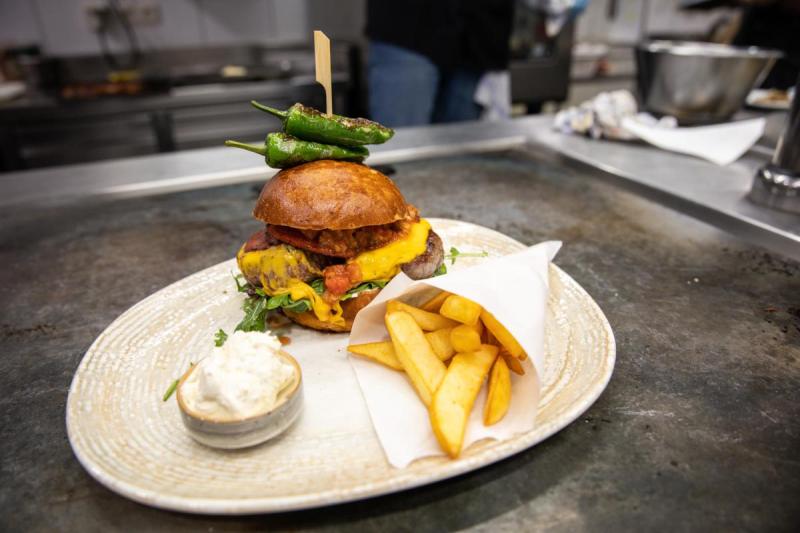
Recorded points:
(514, 289)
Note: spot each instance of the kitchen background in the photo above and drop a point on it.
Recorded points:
(85, 97)
(66, 27)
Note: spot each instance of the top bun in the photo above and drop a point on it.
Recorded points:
(329, 194)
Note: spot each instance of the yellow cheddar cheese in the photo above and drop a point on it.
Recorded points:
(284, 262)
(384, 263)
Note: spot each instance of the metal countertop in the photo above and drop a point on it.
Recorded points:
(706, 191)
(698, 429)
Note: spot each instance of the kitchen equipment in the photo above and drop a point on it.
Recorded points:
(698, 83)
(777, 184)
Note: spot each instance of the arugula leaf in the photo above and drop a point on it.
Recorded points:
(255, 315)
(454, 254)
(366, 286)
(241, 286)
(318, 285)
(441, 271)
(220, 337)
(274, 302)
(300, 306)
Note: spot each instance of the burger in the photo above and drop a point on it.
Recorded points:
(335, 233)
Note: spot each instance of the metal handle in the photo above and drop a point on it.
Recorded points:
(787, 153)
(777, 184)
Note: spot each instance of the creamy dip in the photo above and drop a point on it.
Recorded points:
(238, 380)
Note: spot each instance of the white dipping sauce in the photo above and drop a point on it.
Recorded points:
(240, 379)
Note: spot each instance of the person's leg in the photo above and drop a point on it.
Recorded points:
(455, 101)
(402, 86)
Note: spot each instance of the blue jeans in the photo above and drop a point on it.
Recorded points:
(407, 89)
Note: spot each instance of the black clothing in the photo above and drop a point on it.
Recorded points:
(471, 34)
(779, 28)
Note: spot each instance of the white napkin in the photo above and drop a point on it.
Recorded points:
(514, 289)
(721, 143)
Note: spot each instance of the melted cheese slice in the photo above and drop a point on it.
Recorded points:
(384, 263)
(381, 263)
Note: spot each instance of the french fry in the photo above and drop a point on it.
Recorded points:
(460, 309)
(512, 362)
(380, 352)
(383, 352)
(465, 339)
(498, 398)
(478, 326)
(453, 400)
(435, 303)
(499, 331)
(414, 352)
(427, 321)
(440, 342)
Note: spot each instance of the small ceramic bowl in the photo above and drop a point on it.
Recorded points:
(234, 434)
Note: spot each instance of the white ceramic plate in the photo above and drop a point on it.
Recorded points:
(135, 444)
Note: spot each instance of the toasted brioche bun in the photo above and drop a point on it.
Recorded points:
(327, 194)
(349, 310)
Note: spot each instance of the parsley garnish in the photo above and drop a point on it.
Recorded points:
(220, 337)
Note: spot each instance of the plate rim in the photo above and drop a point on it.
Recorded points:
(278, 504)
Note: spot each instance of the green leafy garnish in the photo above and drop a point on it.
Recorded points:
(170, 390)
(454, 254)
(255, 314)
(366, 286)
(441, 271)
(318, 285)
(220, 337)
(258, 305)
(241, 284)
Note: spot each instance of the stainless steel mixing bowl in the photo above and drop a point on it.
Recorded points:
(698, 83)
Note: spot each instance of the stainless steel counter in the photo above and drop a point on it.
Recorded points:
(701, 189)
(698, 429)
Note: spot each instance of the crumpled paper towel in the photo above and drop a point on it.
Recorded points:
(514, 288)
(614, 115)
(720, 143)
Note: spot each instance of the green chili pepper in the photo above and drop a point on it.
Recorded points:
(283, 151)
(309, 124)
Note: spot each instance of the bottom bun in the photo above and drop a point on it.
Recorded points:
(350, 308)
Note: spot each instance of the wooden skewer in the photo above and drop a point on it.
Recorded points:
(322, 59)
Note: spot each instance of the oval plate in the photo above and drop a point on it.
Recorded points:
(135, 444)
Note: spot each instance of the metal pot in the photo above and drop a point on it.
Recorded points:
(698, 83)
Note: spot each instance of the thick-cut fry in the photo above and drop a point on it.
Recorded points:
(453, 401)
(380, 352)
(460, 309)
(426, 320)
(435, 303)
(465, 339)
(499, 396)
(501, 334)
(414, 352)
(383, 352)
(478, 326)
(440, 342)
(512, 362)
